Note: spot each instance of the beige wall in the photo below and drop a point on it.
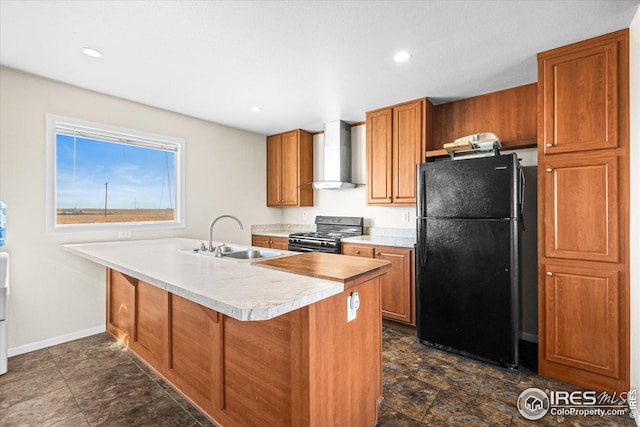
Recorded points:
(634, 73)
(55, 296)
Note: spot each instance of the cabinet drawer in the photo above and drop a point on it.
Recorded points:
(281, 243)
(358, 250)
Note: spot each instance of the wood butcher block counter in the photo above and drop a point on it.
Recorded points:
(328, 267)
(298, 362)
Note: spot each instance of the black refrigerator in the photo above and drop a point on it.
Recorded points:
(469, 221)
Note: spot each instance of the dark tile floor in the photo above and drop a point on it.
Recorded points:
(96, 382)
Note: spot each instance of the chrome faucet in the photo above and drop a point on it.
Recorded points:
(211, 248)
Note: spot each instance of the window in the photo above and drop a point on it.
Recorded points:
(100, 177)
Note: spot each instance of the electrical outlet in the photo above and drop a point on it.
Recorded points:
(353, 304)
(351, 312)
(405, 216)
(304, 216)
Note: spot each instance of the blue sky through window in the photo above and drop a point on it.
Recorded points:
(138, 177)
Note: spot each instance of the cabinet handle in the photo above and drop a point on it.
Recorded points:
(357, 252)
(549, 170)
(377, 253)
(549, 145)
(549, 273)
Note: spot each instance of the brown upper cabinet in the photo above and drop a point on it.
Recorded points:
(290, 169)
(579, 97)
(396, 143)
(510, 113)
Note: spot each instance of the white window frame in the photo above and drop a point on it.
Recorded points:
(127, 136)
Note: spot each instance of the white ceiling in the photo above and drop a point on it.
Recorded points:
(304, 63)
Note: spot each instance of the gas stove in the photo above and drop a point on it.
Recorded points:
(329, 231)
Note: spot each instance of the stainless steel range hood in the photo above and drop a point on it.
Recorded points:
(336, 157)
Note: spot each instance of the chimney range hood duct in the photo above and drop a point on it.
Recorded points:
(336, 156)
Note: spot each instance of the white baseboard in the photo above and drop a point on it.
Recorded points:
(14, 351)
(526, 336)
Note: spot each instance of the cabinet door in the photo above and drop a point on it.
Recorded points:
(274, 144)
(581, 208)
(261, 241)
(281, 243)
(121, 294)
(580, 98)
(581, 308)
(379, 157)
(196, 352)
(152, 333)
(289, 172)
(397, 293)
(408, 146)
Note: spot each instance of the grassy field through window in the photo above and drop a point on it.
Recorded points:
(96, 216)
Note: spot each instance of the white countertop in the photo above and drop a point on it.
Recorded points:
(242, 290)
(397, 241)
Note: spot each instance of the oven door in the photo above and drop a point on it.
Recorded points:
(301, 248)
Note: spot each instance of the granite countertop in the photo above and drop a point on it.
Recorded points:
(280, 230)
(273, 233)
(402, 238)
(397, 241)
(242, 290)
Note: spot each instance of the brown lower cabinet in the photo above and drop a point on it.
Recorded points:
(398, 296)
(308, 367)
(281, 243)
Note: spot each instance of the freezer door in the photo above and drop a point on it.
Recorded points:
(467, 290)
(473, 188)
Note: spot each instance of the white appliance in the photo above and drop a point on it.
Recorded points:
(4, 308)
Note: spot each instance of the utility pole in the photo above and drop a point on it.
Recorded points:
(106, 188)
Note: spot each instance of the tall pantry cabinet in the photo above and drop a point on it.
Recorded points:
(583, 218)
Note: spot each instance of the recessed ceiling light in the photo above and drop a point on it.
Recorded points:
(255, 109)
(402, 56)
(89, 51)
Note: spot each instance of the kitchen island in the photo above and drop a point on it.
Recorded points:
(250, 343)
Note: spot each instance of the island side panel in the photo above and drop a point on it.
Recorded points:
(196, 352)
(151, 332)
(257, 371)
(121, 293)
(345, 359)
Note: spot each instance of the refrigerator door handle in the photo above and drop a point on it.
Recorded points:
(521, 197)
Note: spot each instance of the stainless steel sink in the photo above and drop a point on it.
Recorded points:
(239, 253)
(251, 254)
